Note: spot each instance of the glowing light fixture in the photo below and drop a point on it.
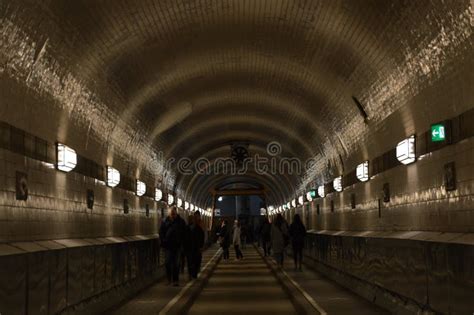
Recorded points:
(337, 183)
(301, 200)
(406, 151)
(192, 207)
(170, 199)
(362, 171)
(288, 205)
(179, 203)
(220, 198)
(321, 191)
(309, 196)
(293, 203)
(113, 176)
(186, 205)
(158, 194)
(66, 158)
(141, 188)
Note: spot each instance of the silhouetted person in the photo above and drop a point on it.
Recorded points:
(265, 236)
(243, 234)
(297, 234)
(224, 240)
(236, 240)
(171, 236)
(195, 245)
(280, 239)
(186, 245)
(184, 257)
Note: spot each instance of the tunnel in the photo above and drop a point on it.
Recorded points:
(147, 145)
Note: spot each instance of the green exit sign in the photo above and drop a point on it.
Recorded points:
(313, 193)
(438, 133)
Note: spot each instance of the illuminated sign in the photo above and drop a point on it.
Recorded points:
(438, 133)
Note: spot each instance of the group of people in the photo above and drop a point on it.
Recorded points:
(226, 237)
(181, 242)
(185, 242)
(277, 236)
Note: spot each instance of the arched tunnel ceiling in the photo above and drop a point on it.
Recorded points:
(155, 80)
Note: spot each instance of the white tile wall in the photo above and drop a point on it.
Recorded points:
(418, 198)
(56, 206)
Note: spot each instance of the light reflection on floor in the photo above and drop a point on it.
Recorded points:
(243, 287)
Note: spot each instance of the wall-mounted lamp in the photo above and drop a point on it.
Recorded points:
(170, 199)
(141, 188)
(362, 171)
(321, 191)
(113, 176)
(66, 158)
(301, 200)
(158, 194)
(406, 151)
(337, 184)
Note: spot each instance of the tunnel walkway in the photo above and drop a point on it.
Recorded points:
(249, 287)
(330, 297)
(159, 295)
(243, 287)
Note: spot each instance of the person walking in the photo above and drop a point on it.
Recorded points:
(195, 236)
(280, 239)
(184, 256)
(297, 235)
(236, 240)
(243, 234)
(171, 236)
(224, 240)
(265, 236)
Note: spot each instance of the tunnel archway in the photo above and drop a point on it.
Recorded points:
(355, 115)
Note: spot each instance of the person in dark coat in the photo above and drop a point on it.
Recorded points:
(280, 239)
(195, 246)
(265, 236)
(224, 239)
(171, 235)
(237, 241)
(297, 235)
